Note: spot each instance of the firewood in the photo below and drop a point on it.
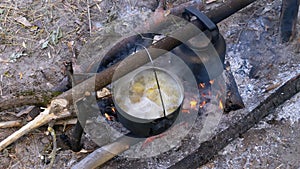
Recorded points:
(288, 18)
(9, 124)
(106, 153)
(233, 99)
(57, 110)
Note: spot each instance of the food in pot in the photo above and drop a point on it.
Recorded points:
(139, 96)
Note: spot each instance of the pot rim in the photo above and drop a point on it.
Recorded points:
(147, 120)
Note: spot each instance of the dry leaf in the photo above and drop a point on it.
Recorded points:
(22, 20)
(210, 1)
(21, 75)
(70, 45)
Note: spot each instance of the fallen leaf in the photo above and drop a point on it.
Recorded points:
(2, 11)
(55, 36)
(24, 44)
(45, 44)
(70, 45)
(22, 20)
(7, 74)
(3, 60)
(210, 1)
(34, 28)
(21, 75)
(13, 57)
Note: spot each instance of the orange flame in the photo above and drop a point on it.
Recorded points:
(113, 109)
(202, 85)
(193, 104)
(185, 111)
(108, 117)
(211, 82)
(221, 105)
(202, 104)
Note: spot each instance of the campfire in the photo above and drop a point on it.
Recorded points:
(185, 86)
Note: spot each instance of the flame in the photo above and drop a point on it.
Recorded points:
(108, 117)
(185, 111)
(193, 104)
(202, 104)
(113, 109)
(212, 82)
(221, 105)
(202, 85)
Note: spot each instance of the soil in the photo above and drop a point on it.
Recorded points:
(37, 37)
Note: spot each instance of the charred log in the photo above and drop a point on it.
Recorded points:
(288, 18)
(233, 100)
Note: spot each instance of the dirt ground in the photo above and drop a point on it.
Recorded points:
(36, 37)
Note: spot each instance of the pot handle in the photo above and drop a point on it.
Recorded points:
(204, 20)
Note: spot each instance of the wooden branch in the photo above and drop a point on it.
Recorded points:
(102, 155)
(209, 149)
(107, 152)
(9, 124)
(38, 98)
(57, 110)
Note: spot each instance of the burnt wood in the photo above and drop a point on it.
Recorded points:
(233, 99)
(288, 18)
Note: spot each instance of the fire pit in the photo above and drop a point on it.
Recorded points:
(124, 108)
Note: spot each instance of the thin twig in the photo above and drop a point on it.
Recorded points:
(9, 124)
(53, 153)
(89, 16)
(1, 81)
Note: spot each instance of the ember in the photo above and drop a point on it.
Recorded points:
(108, 117)
(202, 85)
(193, 104)
(202, 104)
(221, 104)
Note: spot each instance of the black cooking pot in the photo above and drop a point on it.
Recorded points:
(205, 53)
(142, 123)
